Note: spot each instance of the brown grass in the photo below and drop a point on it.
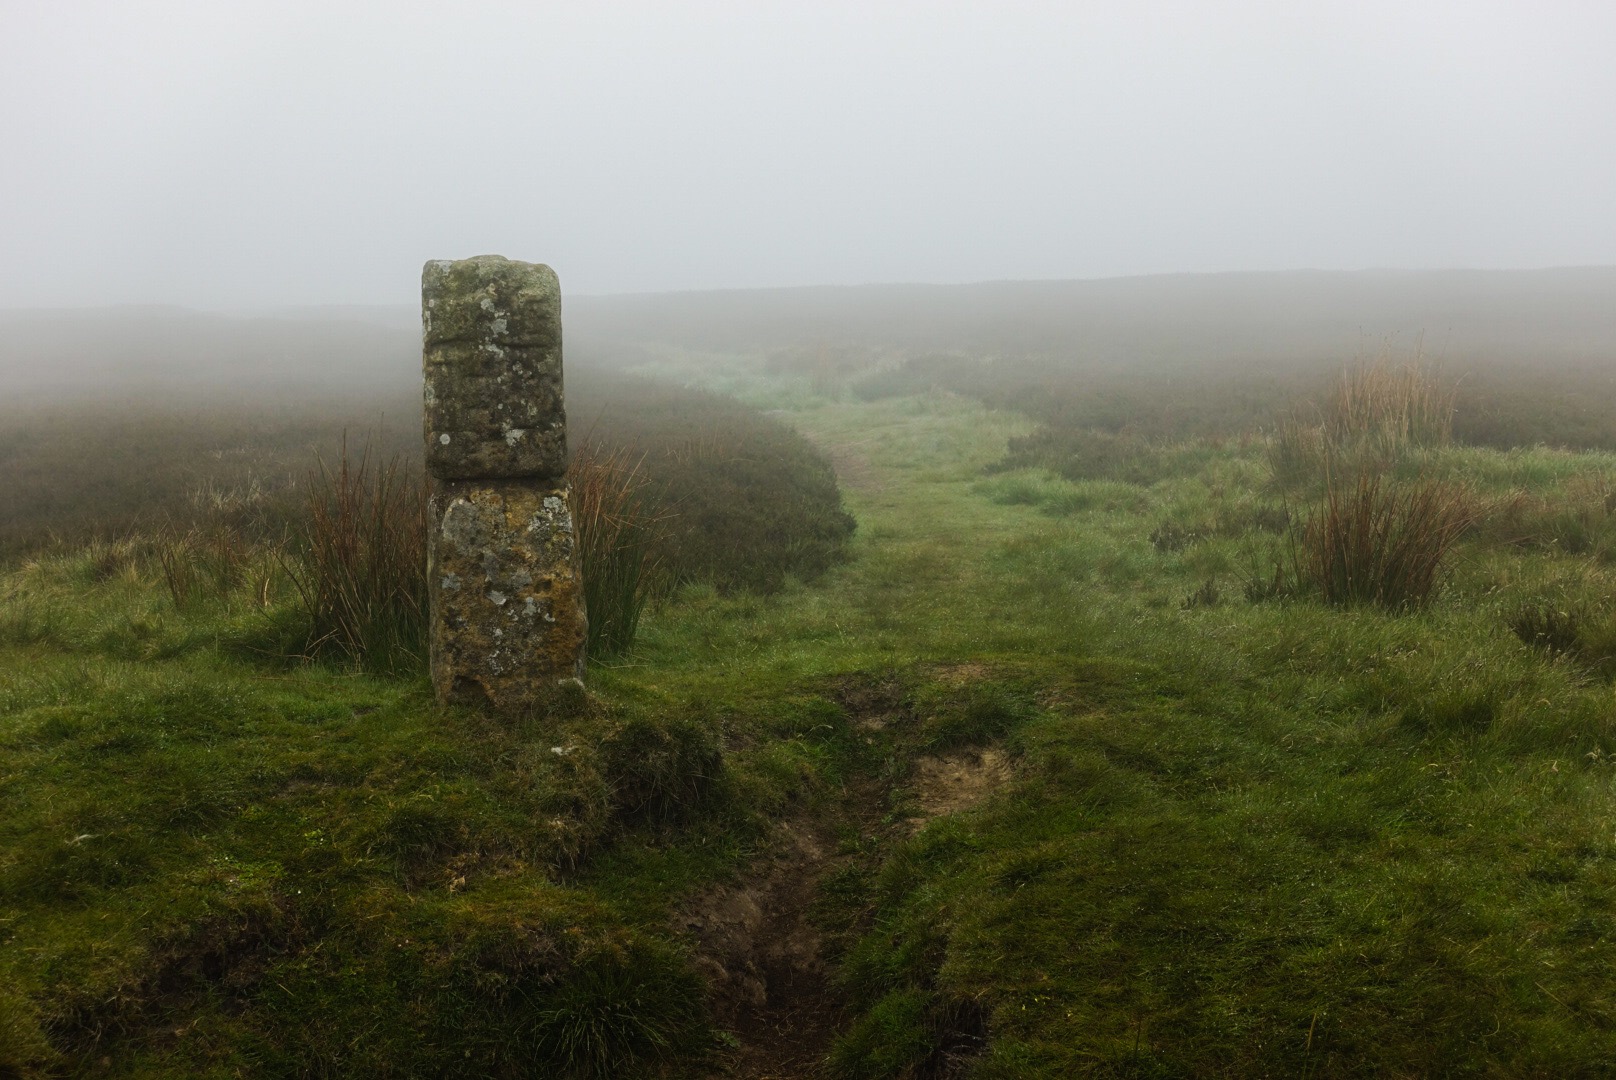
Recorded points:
(619, 530)
(1382, 543)
(1389, 407)
(361, 570)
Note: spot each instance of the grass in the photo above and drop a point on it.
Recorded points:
(620, 544)
(1388, 407)
(1237, 838)
(1380, 542)
(360, 564)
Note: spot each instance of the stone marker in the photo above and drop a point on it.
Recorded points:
(506, 597)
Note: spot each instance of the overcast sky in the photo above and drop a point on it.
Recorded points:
(235, 153)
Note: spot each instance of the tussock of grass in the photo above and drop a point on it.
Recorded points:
(360, 563)
(660, 770)
(1582, 632)
(620, 545)
(1379, 542)
(1387, 408)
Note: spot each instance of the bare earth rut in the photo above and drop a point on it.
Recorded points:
(765, 961)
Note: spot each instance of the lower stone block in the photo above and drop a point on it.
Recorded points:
(508, 618)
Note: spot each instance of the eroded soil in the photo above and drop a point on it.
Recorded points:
(765, 957)
(765, 960)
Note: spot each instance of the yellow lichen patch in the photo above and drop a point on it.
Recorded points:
(508, 619)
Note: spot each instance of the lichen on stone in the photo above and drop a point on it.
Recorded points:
(506, 596)
(505, 641)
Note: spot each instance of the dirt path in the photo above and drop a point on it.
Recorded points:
(854, 470)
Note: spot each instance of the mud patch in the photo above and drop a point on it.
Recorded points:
(764, 959)
(873, 702)
(953, 782)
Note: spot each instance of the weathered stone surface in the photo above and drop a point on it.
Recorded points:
(494, 415)
(492, 361)
(490, 299)
(508, 620)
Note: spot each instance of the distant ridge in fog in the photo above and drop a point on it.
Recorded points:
(174, 351)
(1462, 315)
(1565, 313)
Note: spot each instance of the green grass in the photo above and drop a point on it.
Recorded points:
(1270, 838)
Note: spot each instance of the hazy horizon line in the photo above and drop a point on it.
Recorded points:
(270, 310)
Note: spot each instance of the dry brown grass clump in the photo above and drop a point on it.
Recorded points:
(1389, 408)
(360, 572)
(1381, 543)
(1375, 414)
(620, 532)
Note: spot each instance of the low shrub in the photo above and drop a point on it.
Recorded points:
(748, 501)
(1087, 454)
(1565, 404)
(925, 374)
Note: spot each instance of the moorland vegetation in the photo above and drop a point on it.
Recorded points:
(1198, 724)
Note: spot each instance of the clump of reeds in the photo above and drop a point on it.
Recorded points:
(214, 560)
(1376, 413)
(360, 569)
(1381, 543)
(1387, 408)
(619, 529)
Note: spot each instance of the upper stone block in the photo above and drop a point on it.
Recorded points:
(491, 354)
(490, 300)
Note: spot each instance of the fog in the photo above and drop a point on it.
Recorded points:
(1465, 320)
(258, 156)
